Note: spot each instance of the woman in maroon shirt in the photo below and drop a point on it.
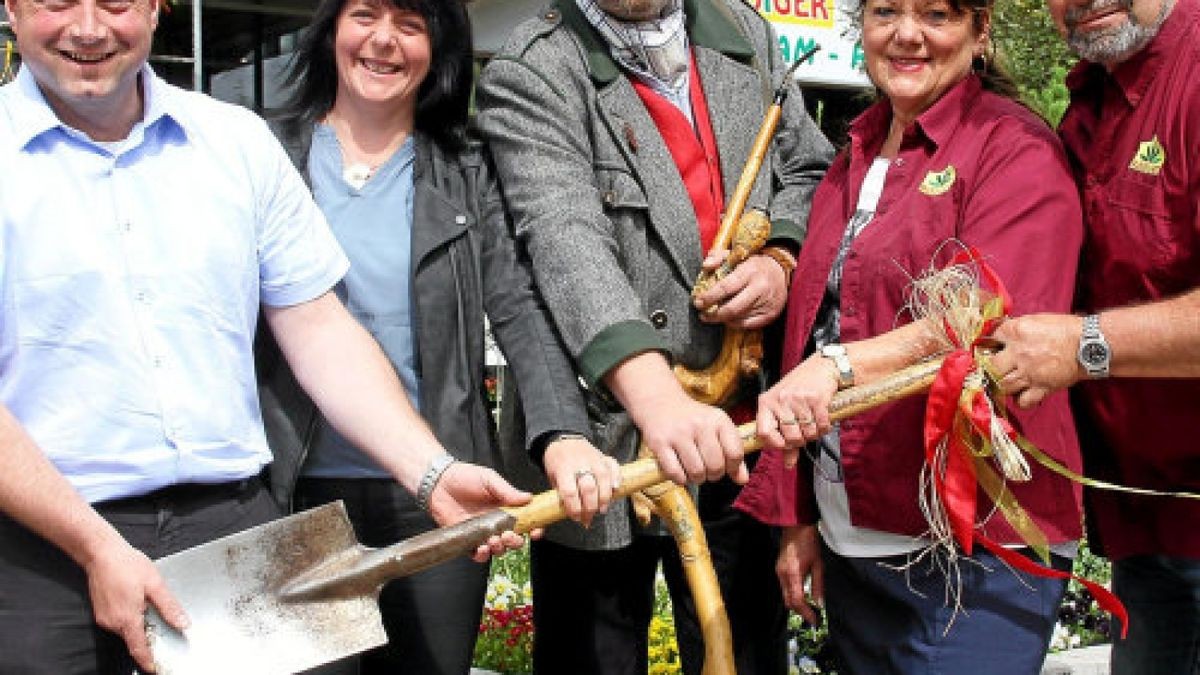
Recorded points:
(946, 154)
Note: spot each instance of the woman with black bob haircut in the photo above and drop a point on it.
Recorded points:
(444, 94)
(377, 125)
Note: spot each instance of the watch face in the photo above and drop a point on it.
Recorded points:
(1094, 353)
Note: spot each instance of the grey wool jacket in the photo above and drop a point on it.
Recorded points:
(465, 264)
(599, 205)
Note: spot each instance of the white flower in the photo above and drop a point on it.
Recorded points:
(1060, 639)
(808, 666)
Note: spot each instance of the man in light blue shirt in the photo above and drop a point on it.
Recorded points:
(141, 227)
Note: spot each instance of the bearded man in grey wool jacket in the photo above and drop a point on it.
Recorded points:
(583, 108)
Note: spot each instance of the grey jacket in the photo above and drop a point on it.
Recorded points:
(464, 264)
(598, 203)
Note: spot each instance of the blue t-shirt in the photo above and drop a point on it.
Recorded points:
(373, 224)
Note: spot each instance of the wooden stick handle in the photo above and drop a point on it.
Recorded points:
(545, 508)
(430, 548)
(741, 194)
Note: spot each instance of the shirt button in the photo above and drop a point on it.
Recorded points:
(610, 197)
(460, 219)
(658, 318)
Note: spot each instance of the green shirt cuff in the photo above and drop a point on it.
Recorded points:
(614, 344)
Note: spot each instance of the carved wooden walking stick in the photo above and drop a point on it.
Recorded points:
(742, 234)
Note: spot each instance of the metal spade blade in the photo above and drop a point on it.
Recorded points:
(239, 622)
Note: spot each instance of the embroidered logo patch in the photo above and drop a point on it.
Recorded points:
(1149, 157)
(938, 182)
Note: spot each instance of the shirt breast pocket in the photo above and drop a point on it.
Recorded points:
(619, 190)
(1142, 222)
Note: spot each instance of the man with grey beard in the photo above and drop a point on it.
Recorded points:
(1133, 133)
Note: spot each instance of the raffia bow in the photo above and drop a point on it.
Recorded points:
(969, 441)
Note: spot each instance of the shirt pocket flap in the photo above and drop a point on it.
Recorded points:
(620, 190)
(1144, 196)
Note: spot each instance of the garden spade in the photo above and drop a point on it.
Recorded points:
(239, 623)
(301, 591)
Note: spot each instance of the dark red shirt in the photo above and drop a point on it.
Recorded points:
(1011, 197)
(1134, 140)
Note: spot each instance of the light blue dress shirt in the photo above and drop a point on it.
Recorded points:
(373, 223)
(130, 285)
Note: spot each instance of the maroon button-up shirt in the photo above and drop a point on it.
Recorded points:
(1134, 140)
(1013, 198)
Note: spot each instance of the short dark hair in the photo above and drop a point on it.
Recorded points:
(443, 97)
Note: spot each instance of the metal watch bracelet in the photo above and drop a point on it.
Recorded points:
(430, 478)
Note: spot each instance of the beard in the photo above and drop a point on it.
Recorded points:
(633, 10)
(1117, 43)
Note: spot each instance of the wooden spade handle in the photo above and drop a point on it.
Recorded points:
(545, 508)
(366, 572)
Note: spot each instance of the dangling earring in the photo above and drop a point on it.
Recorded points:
(979, 63)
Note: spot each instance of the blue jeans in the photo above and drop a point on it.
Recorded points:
(1162, 595)
(885, 621)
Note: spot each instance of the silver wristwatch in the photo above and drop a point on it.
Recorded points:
(1094, 353)
(841, 360)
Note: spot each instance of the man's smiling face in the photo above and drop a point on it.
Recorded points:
(85, 54)
(1108, 31)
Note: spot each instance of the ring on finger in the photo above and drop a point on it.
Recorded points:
(580, 473)
(789, 422)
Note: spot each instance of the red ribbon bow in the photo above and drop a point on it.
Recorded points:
(951, 416)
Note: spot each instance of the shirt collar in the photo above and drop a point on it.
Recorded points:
(937, 123)
(1134, 75)
(34, 117)
(709, 24)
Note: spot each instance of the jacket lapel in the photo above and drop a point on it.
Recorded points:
(734, 93)
(671, 214)
(436, 220)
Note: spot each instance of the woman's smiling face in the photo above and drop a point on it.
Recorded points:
(382, 53)
(917, 49)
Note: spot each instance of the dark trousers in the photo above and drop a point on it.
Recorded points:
(46, 624)
(431, 618)
(1162, 595)
(592, 609)
(888, 621)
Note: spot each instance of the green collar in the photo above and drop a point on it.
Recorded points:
(709, 24)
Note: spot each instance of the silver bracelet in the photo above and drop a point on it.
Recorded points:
(431, 477)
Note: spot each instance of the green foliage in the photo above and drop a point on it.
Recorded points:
(1032, 52)
(809, 649)
(1081, 622)
(1051, 100)
(663, 648)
